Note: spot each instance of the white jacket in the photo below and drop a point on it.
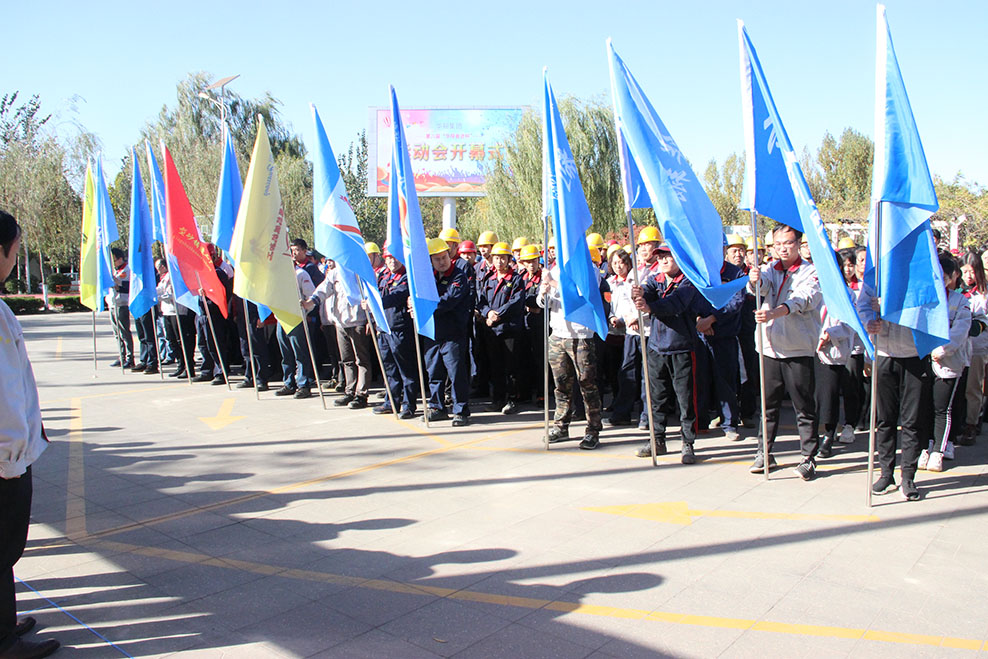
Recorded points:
(949, 361)
(336, 307)
(166, 296)
(979, 311)
(838, 349)
(22, 438)
(797, 333)
(561, 328)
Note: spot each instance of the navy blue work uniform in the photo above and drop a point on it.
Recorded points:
(398, 348)
(505, 296)
(533, 348)
(482, 335)
(723, 371)
(447, 355)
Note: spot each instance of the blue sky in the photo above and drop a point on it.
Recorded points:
(124, 59)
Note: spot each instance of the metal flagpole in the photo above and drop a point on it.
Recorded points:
(95, 364)
(250, 348)
(873, 414)
(181, 340)
(644, 348)
(308, 342)
(157, 349)
(545, 333)
(761, 344)
(418, 358)
(212, 330)
(374, 334)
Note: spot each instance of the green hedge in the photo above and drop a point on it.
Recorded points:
(23, 304)
(67, 303)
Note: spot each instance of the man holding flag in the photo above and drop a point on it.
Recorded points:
(143, 287)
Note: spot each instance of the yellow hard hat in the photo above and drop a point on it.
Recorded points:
(437, 246)
(487, 238)
(749, 243)
(648, 235)
(595, 240)
(734, 240)
(501, 249)
(595, 255)
(611, 249)
(769, 240)
(803, 239)
(519, 243)
(529, 252)
(371, 248)
(846, 243)
(450, 235)
(627, 248)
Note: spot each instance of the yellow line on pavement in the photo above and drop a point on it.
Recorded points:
(562, 606)
(75, 501)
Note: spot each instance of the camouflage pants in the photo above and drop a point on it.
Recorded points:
(575, 360)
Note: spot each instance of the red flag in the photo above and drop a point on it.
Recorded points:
(194, 263)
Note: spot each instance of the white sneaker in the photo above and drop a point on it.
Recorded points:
(948, 451)
(846, 434)
(924, 459)
(936, 462)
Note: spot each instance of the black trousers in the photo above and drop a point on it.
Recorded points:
(147, 337)
(672, 380)
(504, 358)
(905, 393)
(947, 394)
(15, 515)
(831, 381)
(862, 386)
(184, 324)
(256, 342)
(795, 375)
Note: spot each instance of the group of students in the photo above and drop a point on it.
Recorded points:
(702, 362)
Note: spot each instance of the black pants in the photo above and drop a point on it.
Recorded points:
(214, 353)
(905, 392)
(629, 380)
(185, 325)
(505, 367)
(794, 375)
(256, 342)
(15, 515)
(725, 374)
(947, 393)
(831, 381)
(402, 374)
(147, 337)
(671, 378)
(862, 386)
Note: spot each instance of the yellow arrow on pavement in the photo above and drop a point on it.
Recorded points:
(223, 417)
(679, 512)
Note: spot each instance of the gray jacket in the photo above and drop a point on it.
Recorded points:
(797, 333)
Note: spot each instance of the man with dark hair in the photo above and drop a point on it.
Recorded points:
(119, 311)
(22, 441)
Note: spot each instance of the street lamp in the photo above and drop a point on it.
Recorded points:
(221, 85)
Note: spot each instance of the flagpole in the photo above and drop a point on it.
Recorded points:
(250, 347)
(644, 348)
(374, 334)
(212, 330)
(95, 363)
(545, 337)
(308, 342)
(181, 340)
(761, 344)
(873, 414)
(157, 350)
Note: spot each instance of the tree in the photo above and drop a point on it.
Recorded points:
(845, 170)
(371, 212)
(724, 189)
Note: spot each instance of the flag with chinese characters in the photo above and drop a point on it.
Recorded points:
(195, 265)
(406, 235)
(183, 295)
(688, 220)
(774, 186)
(910, 282)
(566, 206)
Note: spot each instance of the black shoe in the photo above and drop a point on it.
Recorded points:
(285, 391)
(510, 407)
(758, 466)
(436, 415)
(359, 403)
(340, 387)
(806, 469)
(24, 625)
(558, 434)
(217, 381)
(151, 370)
(590, 441)
(383, 408)
(262, 386)
(22, 649)
(344, 400)
(303, 392)
(826, 448)
(180, 373)
(909, 490)
(610, 421)
(128, 364)
(203, 377)
(884, 485)
(646, 449)
(460, 420)
(115, 363)
(406, 414)
(688, 457)
(137, 368)
(246, 384)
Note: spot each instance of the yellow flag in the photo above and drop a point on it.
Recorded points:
(263, 269)
(89, 293)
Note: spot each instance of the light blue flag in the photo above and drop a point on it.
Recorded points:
(910, 281)
(774, 185)
(143, 293)
(687, 218)
(337, 234)
(566, 206)
(183, 295)
(231, 189)
(106, 232)
(406, 235)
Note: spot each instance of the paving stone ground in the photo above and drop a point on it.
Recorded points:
(294, 531)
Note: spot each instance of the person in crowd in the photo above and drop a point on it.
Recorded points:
(22, 441)
(623, 322)
(517, 246)
(501, 303)
(533, 355)
(253, 339)
(298, 376)
(976, 291)
(468, 252)
(789, 309)
(397, 348)
(214, 348)
(118, 300)
(482, 334)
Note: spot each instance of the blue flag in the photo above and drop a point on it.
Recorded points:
(910, 281)
(183, 295)
(406, 235)
(687, 218)
(106, 232)
(231, 189)
(337, 234)
(566, 206)
(774, 186)
(143, 293)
